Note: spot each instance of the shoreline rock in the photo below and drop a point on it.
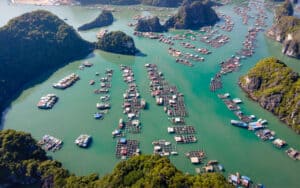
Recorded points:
(104, 19)
(117, 42)
(35, 52)
(150, 25)
(286, 30)
(193, 15)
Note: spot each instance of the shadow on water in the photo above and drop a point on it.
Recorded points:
(118, 59)
(39, 79)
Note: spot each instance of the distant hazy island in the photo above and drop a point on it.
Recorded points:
(24, 162)
(32, 45)
(276, 88)
(104, 19)
(193, 15)
(117, 42)
(159, 3)
(286, 29)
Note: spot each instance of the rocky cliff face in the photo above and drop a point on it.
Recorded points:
(150, 25)
(291, 45)
(286, 30)
(117, 42)
(193, 15)
(104, 19)
(276, 88)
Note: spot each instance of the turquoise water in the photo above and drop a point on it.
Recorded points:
(237, 149)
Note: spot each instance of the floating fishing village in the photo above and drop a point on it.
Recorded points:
(258, 126)
(171, 99)
(118, 92)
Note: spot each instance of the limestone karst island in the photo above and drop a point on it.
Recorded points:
(150, 93)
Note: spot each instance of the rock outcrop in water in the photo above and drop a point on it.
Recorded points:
(193, 15)
(117, 42)
(104, 19)
(276, 88)
(150, 25)
(286, 30)
(32, 45)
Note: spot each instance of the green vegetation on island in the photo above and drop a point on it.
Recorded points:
(286, 29)
(150, 25)
(34, 44)
(23, 162)
(286, 9)
(117, 42)
(104, 19)
(276, 88)
(193, 15)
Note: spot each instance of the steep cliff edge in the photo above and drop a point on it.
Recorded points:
(150, 25)
(286, 30)
(276, 88)
(193, 15)
(106, 18)
(117, 42)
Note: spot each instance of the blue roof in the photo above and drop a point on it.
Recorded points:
(246, 178)
(123, 140)
(98, 115)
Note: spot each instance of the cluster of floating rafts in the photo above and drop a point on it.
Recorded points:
(258, 126)
(66, 82)
(50, 143)
(83, 140)
(47, 102)
(103, 106)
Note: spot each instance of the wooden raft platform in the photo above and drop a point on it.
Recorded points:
(186, 129)
(185, 139)
(127, 149)
(163, 148)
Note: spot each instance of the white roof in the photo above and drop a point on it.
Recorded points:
(194, 159)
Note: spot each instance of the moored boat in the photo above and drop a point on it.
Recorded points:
(279, 143)
(83, 140)
(98, 115)
(294, 154)
(121, 123)
(103, 106)
(47, 102)
(92, 82)
(239, 123)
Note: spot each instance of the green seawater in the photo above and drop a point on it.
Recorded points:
(236, 149)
